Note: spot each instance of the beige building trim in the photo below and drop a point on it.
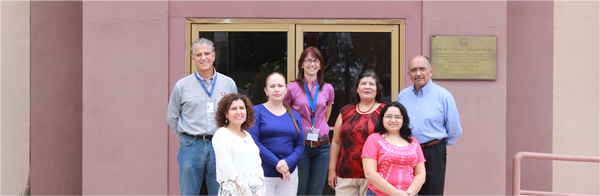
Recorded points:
(576, 95)
(15, 97)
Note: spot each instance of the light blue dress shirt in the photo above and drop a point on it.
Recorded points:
(433, 113)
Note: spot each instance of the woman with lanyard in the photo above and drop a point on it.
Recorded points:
(312, 98)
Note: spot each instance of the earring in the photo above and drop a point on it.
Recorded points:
(226, 120)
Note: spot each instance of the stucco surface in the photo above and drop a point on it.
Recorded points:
(56, 97)
(529, 96)
(125, 70)
(576, 95)
(15, 96)
(476, 163)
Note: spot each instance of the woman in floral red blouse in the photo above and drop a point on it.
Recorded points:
(354, 124)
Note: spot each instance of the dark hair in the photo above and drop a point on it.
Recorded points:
(300, 78)
(223, 108)
(404, 130)
(285, 105)
(368, 73)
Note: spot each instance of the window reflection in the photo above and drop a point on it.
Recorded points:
(249, 57)
(346, 54)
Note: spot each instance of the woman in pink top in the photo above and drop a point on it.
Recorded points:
(393, 161)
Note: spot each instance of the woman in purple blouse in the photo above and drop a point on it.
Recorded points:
(312, 98)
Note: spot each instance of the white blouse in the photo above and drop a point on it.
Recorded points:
(239, 170)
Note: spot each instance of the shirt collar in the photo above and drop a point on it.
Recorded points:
(211, 78)
(314, 81)
(425, 88)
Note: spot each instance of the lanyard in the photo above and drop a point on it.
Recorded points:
(203, 86)
(312, 104)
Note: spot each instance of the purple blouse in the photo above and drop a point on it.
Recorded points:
(296, 98)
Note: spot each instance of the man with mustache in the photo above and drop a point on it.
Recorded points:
(191, 115)
(434, 121)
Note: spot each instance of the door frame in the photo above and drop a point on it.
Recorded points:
(295, 29)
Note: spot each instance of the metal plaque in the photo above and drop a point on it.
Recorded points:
(469, 57)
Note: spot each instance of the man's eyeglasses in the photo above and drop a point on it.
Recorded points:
(308, 61)
(421, 69)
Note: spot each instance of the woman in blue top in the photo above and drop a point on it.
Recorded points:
(277, 134)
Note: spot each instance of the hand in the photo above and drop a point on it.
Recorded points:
(332, 179)
(403, 193)
(286, 176)
(282, 166)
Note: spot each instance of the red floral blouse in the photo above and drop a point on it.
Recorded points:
(353, 134)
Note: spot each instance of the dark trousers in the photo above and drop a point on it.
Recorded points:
(435, 166)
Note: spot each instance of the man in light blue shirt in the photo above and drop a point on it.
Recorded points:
(191, 115)
(434, 121)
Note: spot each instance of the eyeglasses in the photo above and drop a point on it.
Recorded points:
(390, 117)
(421, 69)
(308, 61)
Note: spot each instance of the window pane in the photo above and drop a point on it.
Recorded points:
(249, 57)
(346, 54)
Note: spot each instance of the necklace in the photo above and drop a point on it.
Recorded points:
(358, 107)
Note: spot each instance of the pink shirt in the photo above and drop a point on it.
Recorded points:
(296, 98)
(395, 164)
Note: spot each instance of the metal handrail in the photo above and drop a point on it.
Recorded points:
(535, 155)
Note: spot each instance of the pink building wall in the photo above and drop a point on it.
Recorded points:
(476, 163)
(15, 96)
(131, 54)
(56, 98)
(125, 82)
(179, 11)
(529, 91)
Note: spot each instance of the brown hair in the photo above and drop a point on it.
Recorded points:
(224, 105)
(285, 105)
(300, 78)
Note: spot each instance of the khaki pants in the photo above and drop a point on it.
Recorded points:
(351, 186)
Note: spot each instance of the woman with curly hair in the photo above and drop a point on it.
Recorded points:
(244, 174)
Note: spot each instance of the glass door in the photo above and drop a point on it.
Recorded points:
(349, 49)
(249, 53)
(247, 50)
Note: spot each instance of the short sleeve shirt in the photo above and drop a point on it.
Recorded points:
(395, 164)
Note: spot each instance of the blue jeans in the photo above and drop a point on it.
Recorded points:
(196, 160)
(313, 168)
(370, 193)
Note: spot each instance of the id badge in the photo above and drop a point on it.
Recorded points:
(210, 107)
(313, 134)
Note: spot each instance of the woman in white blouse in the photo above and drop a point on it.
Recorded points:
(242, 175)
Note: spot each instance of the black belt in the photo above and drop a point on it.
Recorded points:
(204, 137)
